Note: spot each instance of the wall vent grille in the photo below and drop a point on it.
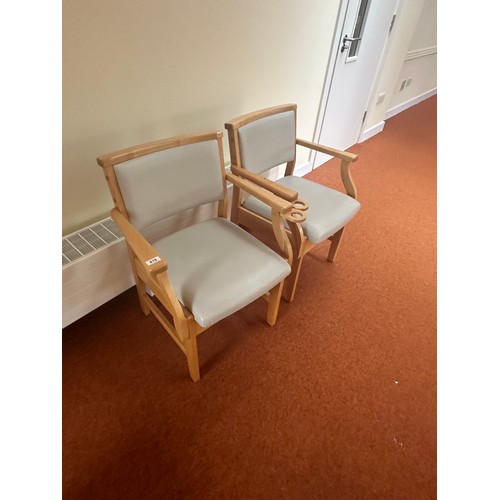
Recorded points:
(88, 240)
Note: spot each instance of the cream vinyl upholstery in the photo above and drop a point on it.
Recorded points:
(213, 287)
(168, 182)
(329, 210)
(268, 143)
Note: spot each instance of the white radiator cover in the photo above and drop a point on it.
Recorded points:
(95, 269)
(96, 265)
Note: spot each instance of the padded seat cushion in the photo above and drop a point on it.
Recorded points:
(329, 210)
(216, 268)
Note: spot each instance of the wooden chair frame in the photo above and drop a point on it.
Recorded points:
(151, 270)
(301, 245)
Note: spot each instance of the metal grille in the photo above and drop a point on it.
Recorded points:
(88, 240)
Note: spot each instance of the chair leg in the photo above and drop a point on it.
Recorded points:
(335, 239)
(192, 358)
(274, 304)
(140, 285)
(141, 292)
(292, 279)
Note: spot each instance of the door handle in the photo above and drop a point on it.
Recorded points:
(347, 39)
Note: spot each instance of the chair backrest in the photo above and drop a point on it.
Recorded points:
(161, 179)
(264, 139)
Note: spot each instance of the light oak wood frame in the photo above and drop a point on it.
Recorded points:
(151, 270)
(301, 245)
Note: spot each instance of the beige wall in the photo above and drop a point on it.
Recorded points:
(139, 71)
(425, 34)
(420, 63)
(414, 29)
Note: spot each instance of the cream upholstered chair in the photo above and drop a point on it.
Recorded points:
(265, 139)
(210, 269)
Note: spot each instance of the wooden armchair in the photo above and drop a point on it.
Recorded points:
(266, 138)
(208, 270)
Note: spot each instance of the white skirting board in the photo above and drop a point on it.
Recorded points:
(366, 134)
(411, 102)
(303, 169)
(377, 128)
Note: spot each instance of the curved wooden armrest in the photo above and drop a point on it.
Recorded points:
(344, 155)
(275, 188)
(281, 210)
(347, 159)
(143, 250)
(275, 202)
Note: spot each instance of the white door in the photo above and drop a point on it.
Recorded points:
(358, 49)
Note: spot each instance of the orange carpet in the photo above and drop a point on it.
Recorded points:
(337, 401)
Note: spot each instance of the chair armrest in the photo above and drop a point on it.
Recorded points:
(154, 267)
(275, 188)
(292, 211)
(344, 155)
(281, 210)
(347, 159)
(143, 250)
